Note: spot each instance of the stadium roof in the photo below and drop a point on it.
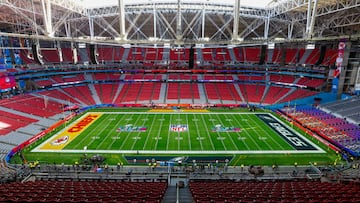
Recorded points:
(199, 22)
(252, 3)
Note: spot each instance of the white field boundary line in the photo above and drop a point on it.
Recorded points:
(184, 151)
(146, 112)
(319, 150)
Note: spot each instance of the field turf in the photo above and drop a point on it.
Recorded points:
(245, 136)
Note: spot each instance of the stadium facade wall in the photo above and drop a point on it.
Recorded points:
(325, 98)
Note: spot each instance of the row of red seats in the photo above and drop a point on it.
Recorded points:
(292, 191)
(66, 191)
(242, 54)
(33, 105)
(10, 122)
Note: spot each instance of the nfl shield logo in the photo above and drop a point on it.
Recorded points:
(178, 127)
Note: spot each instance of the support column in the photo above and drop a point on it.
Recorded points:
(58, 46)
(203, 22)
(46, 6)
(235, 34)
(155, 23)
(178, 22)
(266, 29)
(91, 27)
(308, 18)
(313, 18)
(290, 30)
(122, 19)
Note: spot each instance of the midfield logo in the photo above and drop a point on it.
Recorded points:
(220, 128)
(131, 128)
(179, 127)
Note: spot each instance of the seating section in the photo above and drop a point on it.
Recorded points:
(58, 93)
(76, 191)
(146, 92)
(100, 76)
(130, 92)
(252, 93)
(67, 55)
(251, 78)
(44, 82)
(68, 78)
(207, 54)
(136, 54)
(110, 54)
(274, 191)
(10, 122)
(277, 55)
(297, 94)
(211, 91)
(189, 91)
(311, 82)
(82, 93)
(106, 92)
(32, 105)
(274, 93)
(252, 54)
(148, 56)
(50, 56)
(338, 131)
(173, 91)
(153, 54)
(227, 92)
(330, 57)
(181, 87)
(282, 78)
(105, 76)
(239, 55)
(26, 56)
(179, 55)
(348, 108)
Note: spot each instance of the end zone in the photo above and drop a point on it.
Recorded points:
(64, 137)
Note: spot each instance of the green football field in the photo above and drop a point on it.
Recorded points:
(240, 135)
(190, 133)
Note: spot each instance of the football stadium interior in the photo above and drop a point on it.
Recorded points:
(179, 101)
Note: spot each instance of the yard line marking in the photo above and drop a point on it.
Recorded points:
(271, 137)
(228, 134)
(211, 142)
(219, 135)
(100, 133)
(159, 131)
(128, 134)
(187, 123)
(138, 137)
(86, 138)
(247, 133)
(264, 131)
(178, 134)
(122, 118)
(150, 129)
(198, 133)
(168, 135)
